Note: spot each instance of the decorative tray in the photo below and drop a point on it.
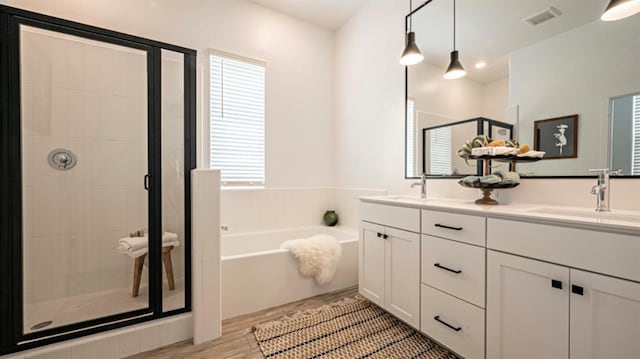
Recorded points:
(519, 159)
(503, 158)
(488, 185)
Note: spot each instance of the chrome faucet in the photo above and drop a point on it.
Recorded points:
(422, 184)
(601, 190)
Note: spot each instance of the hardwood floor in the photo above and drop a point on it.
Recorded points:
(237, 340)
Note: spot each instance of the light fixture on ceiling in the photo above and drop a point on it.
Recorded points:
(455, 69)
(481, 65)
(411, 54)
(620, 9)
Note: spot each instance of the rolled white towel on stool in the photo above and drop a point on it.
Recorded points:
(132, 244)
(140, 252)
(137, 246)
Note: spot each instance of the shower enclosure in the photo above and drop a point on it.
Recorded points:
(98, 140)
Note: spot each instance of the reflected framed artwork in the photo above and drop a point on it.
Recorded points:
(558, 137)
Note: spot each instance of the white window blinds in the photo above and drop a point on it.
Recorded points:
(237, 119)
(440, 151)
(635, 166)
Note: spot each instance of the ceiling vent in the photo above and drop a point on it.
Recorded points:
(543, 16)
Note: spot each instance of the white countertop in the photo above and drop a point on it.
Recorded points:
(627, 222)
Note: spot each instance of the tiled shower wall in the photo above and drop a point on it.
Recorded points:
(90, 98)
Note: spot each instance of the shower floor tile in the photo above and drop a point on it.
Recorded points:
(84, 307)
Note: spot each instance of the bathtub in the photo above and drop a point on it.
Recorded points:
(257, 274)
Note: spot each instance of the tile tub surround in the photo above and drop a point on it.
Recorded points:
(261, 209)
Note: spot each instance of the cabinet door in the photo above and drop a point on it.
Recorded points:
(402, 292)
(605, 318)
(527, 315)
(371, 275)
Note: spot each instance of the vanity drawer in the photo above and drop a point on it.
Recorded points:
(459, 227)
(392, 216)
(454, 323)
(455, 268)
(601, 252)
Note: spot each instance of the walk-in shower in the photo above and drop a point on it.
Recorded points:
(98, 139)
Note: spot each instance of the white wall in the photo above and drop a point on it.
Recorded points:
(495, 99)
(551, 78)
(369, 98)
(299, 59)
(457, 100)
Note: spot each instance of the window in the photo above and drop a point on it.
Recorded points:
(635, 165)
(440, 150)
(237, 119)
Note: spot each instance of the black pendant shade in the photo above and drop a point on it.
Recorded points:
(620, 9)
(455, 69)
(411, 54)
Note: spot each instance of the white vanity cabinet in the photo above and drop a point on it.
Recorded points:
(527, 308)
(389, 268)
(491, 284)
(605, 318)
(453, 281)
(536, 309)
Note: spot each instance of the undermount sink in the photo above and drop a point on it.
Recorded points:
(404, 198)
(586, 213)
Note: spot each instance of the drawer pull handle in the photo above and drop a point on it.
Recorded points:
(379, 235)
(556, 284)
(576, 289)
(437, 318)
(447, 269)
(448, 227)
(385, 236)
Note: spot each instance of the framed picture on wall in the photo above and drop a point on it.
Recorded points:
(558, 137)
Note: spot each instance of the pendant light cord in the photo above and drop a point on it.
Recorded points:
(410, 16)
(454, 25)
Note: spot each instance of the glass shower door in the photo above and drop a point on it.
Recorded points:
(85, 156)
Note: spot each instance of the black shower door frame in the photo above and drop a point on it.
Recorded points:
(12, 337)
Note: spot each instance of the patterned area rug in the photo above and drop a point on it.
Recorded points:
(349, 328)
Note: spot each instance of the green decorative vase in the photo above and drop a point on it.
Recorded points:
(330, 218)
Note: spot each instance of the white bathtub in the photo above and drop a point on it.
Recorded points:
(257, 274)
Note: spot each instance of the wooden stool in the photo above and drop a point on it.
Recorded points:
(138, 264)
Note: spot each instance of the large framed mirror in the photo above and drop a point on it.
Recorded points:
(526, 62)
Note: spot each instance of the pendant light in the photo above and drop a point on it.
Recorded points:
(620, 9)
(411, 54)
(455, 69)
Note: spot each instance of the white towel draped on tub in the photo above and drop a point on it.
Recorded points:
(134, 247)
(317, 256)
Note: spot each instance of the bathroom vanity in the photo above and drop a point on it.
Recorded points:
(513, 281)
